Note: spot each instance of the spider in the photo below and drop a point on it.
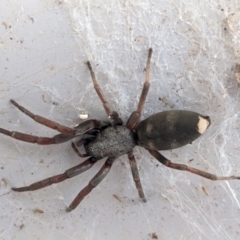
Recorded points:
(161, 131)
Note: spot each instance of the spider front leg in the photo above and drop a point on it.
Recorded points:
(44, 121)
(60, 138)
(92, 184)
(184, 167)
(112, 114)
(71, 172)
(135, 116)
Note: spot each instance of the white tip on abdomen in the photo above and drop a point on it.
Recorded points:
(202, 124)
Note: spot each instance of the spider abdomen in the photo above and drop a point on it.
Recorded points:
(171, 129)
(113, 141)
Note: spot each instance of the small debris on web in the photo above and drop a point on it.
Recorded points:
(205, 191)
(83, 116)
(153, 235)
(117, 197)
(37, 210)
(4, 182)
(21, 226)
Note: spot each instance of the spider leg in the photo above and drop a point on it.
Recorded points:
(44, 121)
(135, 116)
(90, 124)
(136, 177)
(80, 142)
(112, 114)
(71, 172)
(82, 155)
(92, 184)
(60, 138)
(184, 167)
(85, 137)
(78, 129)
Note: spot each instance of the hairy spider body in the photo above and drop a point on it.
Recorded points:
(161, 131)
(113, 141)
